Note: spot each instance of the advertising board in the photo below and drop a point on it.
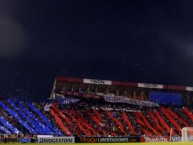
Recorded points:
(70, 139)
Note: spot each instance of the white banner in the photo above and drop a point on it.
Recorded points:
(189, 88)
(122, 99)
(69, 139)
(94, 81)
(39, 136)
(156, 86)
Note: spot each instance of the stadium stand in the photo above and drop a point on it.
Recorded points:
(79, 119)
(93, 109)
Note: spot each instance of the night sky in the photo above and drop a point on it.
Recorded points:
(147, 41)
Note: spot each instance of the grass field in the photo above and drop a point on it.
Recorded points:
(157, 143)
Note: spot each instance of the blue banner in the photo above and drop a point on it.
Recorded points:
(166, 98)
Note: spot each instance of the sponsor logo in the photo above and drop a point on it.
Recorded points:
(180, 139)
(175, 139)
(88, 139)
(56, 140)
(113, 139)
(150, 85)
(95, 81)
(155, 139)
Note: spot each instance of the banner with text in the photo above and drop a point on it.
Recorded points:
(118, 139)
(108, 139)
(94, 81)
(69, 139)
(154, 139)
(152, 86)
(122, 99)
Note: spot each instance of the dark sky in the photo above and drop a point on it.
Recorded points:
(147, 41)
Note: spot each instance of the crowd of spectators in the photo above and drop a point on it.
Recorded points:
(117, 109)
(108, 125)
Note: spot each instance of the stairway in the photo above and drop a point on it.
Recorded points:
(15, 115)
(66, 119)
(44, 118)
(142, 126)
(165, 125)
(61, 124)
(126, 119)
(98, 115)
(116, 121)
(171, 119)
(97, 121)
(177, 117)
(188, 113)
(156, 121)
(85, 122)
(147, 123)
(78, 123)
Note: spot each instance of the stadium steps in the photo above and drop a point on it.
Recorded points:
(147, 123)
(181, 114)
(177, 117)
(101, 115)
(171, 119)
(44, 118)
(66, 119)
(134, 123)
(14, 111)
(14, 114)
(165, 125)
(97, 121)
(188, 113)
(142, 126)
(124, 124)
(42, 128)
(39, 119)
(7, 121)
(85, 122)
(116, 121)
(155, 119)
(166, 113)
(98, 115)
(78, 123)
(28, 119)
(60, 123)
(9, 126)
(146, 132)
(126, 119)
(5, 130)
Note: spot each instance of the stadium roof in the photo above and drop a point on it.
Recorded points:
(139, 91)
(121, 83)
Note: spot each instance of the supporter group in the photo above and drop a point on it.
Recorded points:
(75, 116)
